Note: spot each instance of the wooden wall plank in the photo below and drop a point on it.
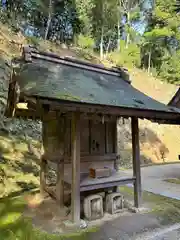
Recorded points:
(84, 137)
(98, 138)
(60, 184)
(111, 137)
(106, 125)
(85, 166)
(90, 135)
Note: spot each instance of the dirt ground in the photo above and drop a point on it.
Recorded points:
(47, 216)
(156, 214)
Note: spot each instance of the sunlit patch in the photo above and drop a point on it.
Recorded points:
(33, 201)
(9, 218)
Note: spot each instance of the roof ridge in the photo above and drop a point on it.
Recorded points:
(30, 51)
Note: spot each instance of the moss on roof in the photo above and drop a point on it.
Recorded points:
(59, 81)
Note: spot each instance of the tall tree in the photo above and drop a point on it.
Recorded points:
(128, 8)
(50, 11)
(162, 30)
(177, 6)
(104, 24)
(84, 11)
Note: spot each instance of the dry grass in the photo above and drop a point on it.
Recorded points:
(153, 87)
(159, 143)
(165, 139)
(173, 180)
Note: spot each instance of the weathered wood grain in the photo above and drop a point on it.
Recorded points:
(136, 162)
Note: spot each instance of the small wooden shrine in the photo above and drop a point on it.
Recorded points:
(79, 104)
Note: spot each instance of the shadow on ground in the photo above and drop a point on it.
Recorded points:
(13, 225)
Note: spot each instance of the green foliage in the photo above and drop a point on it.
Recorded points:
(173, 180)
(161, 41)
(84, 9)
(129, 57)
(96, 25)
(164, 208)
(158, 33)
(177, 6)
(170, 69)
(85, 42)
(135, 15)
(33, 40)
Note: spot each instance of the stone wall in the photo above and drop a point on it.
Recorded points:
(13, 125)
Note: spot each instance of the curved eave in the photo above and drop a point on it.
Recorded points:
(99, 110)
(175, 101)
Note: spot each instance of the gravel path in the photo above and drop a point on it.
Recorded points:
(153, 180)
(145, 226)
(131, 231)
(130, 228)
(168, 233)
(126, 227)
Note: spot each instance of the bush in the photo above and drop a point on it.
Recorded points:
(170, 69)
(129, 57)
(33, 40)
(85, 42)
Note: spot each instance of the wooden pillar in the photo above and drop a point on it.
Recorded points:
(75, 156)
(136, 162)
(42, 176)
(60, 184)
(43, 164)
(63, 137)
(115, 150)
(115, 137)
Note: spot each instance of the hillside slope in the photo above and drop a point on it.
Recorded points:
(159, 143)
(19, 161)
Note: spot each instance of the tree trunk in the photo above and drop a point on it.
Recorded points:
(128, 35)
(119, 36)
(49, 20)
(108, 45)
(102, 43)
(118, 26)
(149, 62)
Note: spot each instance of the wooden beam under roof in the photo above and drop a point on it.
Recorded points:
(68, 106)
(22, 110)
